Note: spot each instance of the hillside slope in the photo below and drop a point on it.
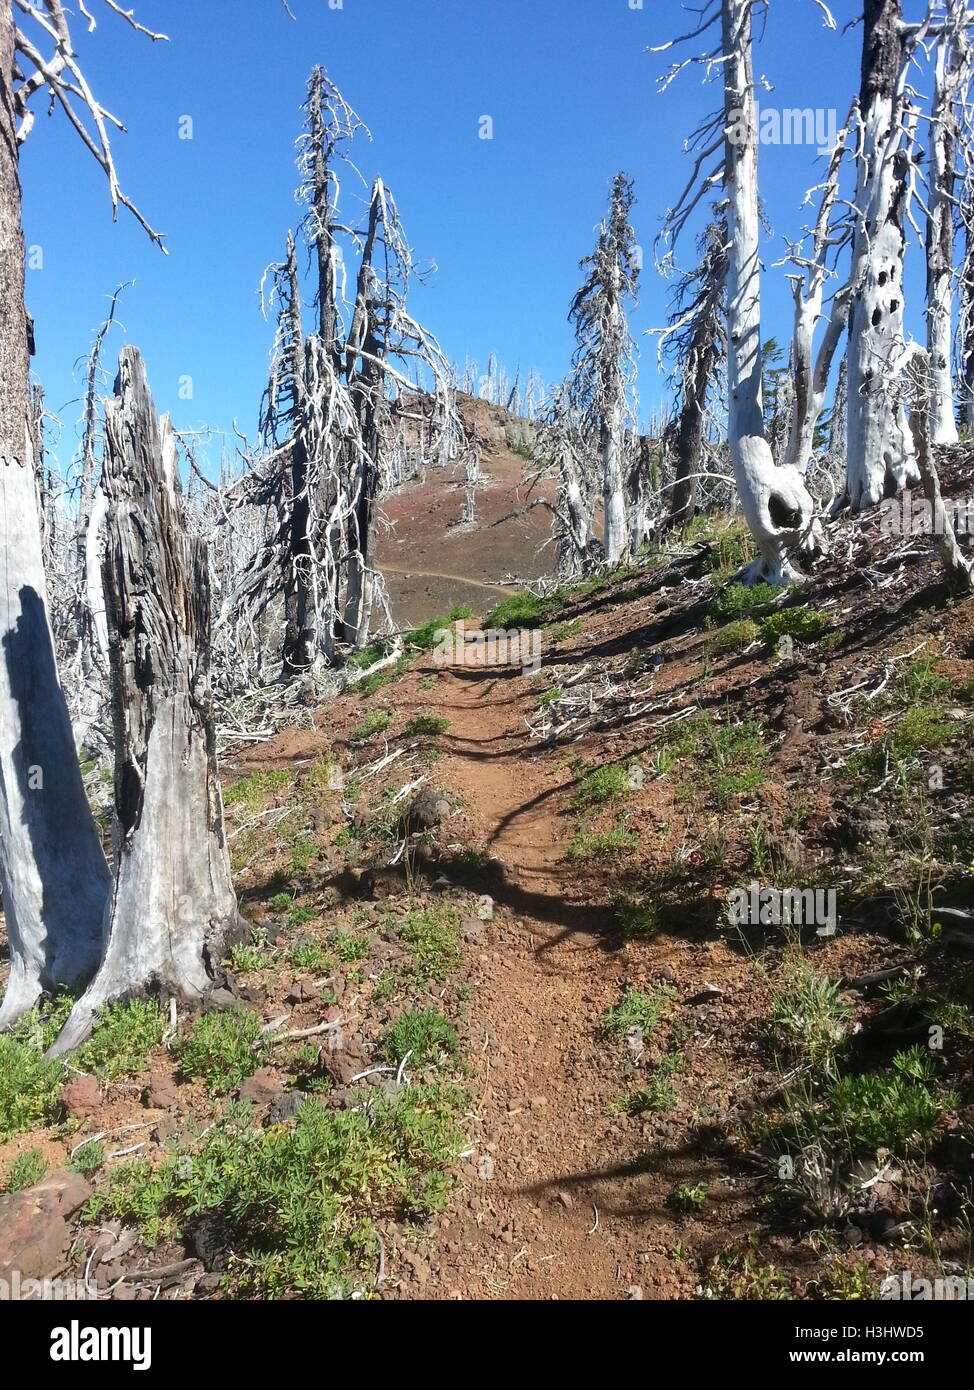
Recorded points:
(525, 1050)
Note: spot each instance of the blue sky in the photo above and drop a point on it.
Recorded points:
(572, 93)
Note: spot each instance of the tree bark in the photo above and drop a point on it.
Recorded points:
(775, 501)
(173, 909)
(940, 244)
(879, 457)
(957, 567)
(52, 869)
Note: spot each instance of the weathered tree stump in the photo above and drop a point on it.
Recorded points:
(172, 909)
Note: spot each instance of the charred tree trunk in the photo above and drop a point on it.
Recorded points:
(298, 650)
(172, 910)
(52, 869)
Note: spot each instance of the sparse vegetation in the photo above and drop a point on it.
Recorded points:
(221, 1049)
(423, 1036)
(426, 725)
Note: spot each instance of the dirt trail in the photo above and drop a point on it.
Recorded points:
(543, 1212)
(499, 589)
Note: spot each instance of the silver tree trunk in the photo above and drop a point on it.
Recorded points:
(173, 908)
(52, 869)
(776, 504)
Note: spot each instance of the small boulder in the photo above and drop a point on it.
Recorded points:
(262, 1088)
(34, 1224)
(81, 1097)
(285, 1107)
(162, 1093)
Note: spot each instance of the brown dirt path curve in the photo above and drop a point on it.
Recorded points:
(553, 1204)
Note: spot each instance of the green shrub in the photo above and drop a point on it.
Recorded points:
(30, 1087)
(427, 635)
(601, 785)
(375, 722)
(730, 758)
(518, 611)
(425, 1035)
(800, 624)
(426, 724)
(311, 956)
(809, 1021)
(300, 1202)
(252, 792)
(602, 844)
(222, 1049)
(433, 935)
(637, 1009)
(348, 947)
(88, 1158)
(742, 601)
(735, 637)
(124, 1036)
(26, 1170)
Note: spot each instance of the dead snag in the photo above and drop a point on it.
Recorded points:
(173, 908)
(956, 566)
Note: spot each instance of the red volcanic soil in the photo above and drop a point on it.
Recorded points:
(432, 562)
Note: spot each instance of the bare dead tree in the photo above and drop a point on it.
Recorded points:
(777, 506)
(53, 872)
(172, 910)
(327, 418)
(958, 569)
(879, 459)
(814, 268)
(694, 340)
(602, 380)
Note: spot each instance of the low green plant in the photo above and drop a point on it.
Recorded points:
(88, 1158)
(801, 624)
(688, 1197)
(246, 956)
(426, 724)
(427, 635)
(742, 601)
(375, 722)
(919, 683)
(853, 1115)
(222, 1049)
(311, 956)
(518, 611)
(348, 946)
(637, 1009)
(123, 1037)
(730, 758)
(433, 936)
(30, 1087)
(425, 1036)
(809, 1021)
(251, 793)
(601, 785)
(26, 1170)
(734, 636)
(602, 844)
(300, 1203)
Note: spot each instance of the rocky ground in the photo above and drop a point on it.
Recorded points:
(512, 1032)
